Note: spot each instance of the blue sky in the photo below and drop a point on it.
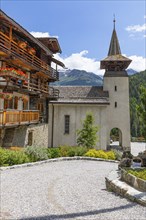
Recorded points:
(84, 28)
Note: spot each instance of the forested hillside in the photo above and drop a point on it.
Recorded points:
(135, 81)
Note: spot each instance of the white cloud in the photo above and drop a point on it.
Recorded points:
(136, 28)
(81, 62)
(138, 63)
(145, 16)
(41, 34)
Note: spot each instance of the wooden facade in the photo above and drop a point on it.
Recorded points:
(25, 74)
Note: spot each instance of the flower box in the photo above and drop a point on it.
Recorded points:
(7, 96)
(22, 44)
(13, 73)
(32, 51)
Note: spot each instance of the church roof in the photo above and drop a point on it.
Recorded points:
(82, 95)
(114, 48)
(115, 58)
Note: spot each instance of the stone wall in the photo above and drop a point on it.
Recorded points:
(19, 136)
(132, 180)
(114, 184)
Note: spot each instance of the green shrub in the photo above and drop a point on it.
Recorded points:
(101, 154)
(9, 157)
(91, 153)
(64, 150)
(36, 153)
(17, 157)
(81, 151)
(71, 151)
(4, 153)
(138, 173)
(111, 155)
(53, 152)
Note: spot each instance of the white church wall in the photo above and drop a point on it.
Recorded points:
(77, 113)
(118, 117)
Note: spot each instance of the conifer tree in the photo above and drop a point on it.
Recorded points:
(142, 110)
(87, 136)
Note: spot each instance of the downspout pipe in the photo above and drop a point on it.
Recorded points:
(52, 136)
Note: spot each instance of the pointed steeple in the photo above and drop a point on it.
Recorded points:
(115, 61)
(114, 48)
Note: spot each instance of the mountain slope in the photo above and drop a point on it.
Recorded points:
(78, 78)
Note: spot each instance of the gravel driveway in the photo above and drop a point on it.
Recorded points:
(64, 190)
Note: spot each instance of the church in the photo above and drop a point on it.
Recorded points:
(34, 113)
(109, 104)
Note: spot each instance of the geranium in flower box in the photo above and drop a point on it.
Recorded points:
(32, 51)
(13, 72)
(7, 96)
(22, 44)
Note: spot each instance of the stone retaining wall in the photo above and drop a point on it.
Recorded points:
(114, 184)
(20, 136)
(133, 181)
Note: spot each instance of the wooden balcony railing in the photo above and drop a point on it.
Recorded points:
(8, 118)
(11, 47)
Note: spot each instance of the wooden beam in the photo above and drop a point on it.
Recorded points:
(10, 33)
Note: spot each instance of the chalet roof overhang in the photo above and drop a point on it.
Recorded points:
(4, 17)
(52, 43)
(57, 62)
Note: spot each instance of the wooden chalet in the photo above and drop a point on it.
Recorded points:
(25, 74)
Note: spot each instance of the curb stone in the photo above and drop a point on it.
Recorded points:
(56, 160)
(113, 183)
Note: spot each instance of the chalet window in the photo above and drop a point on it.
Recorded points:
(115, 88)
(115, 104)
(66, 124)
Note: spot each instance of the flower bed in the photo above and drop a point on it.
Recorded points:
(34, 153)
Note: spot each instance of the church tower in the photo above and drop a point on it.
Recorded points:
(116, 82)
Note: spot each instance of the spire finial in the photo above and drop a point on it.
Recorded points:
(114, 21)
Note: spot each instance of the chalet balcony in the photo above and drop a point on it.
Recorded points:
(16, 80)
(13, 117)
(19, 56)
